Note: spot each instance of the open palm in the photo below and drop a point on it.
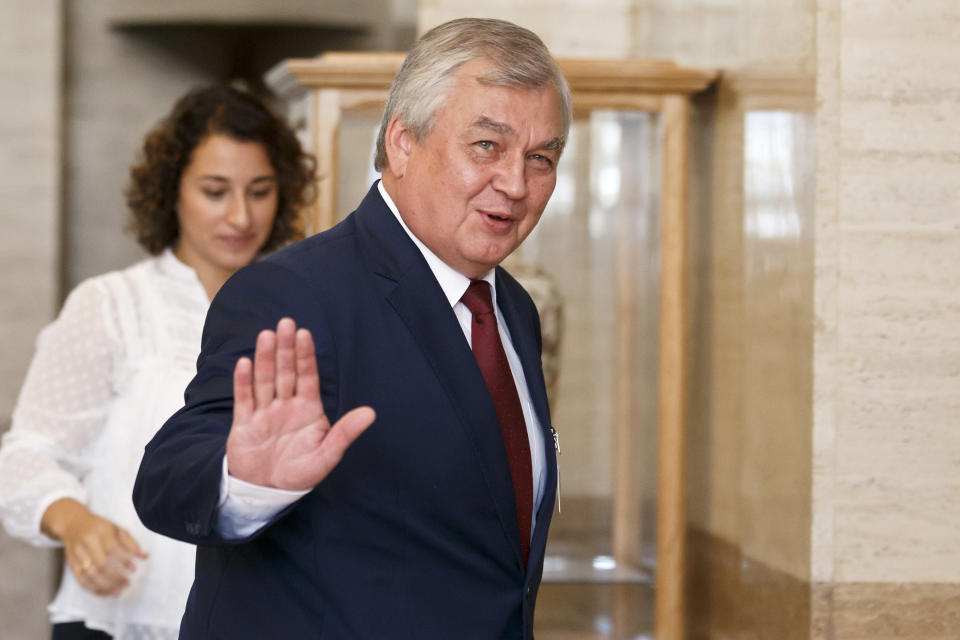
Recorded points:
(280, 436)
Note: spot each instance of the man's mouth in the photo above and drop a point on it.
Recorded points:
(498, 215)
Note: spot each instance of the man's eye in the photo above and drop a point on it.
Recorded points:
(485, 144)
(542, 159)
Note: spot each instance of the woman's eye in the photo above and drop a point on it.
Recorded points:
(261, 193)
(214, 194)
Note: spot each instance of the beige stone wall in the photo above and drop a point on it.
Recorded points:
(887, 329)
(30, 178)
(887, 307)
(117, 87)
(601, 28)
(29, 182)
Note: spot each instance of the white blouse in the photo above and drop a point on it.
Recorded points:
(106, 374)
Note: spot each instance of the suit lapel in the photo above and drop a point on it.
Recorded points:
(524, 342)
(412, 290)
(528, 350)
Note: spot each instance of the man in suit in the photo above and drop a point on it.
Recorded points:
(387, 470)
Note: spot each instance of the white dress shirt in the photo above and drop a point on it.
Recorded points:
(244, 507)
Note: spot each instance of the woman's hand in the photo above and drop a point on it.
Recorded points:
(100, 553)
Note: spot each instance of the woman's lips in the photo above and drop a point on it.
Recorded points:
(237, 242)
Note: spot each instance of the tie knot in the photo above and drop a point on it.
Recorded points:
(478, 298)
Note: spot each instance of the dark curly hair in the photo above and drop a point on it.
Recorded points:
(155, 179)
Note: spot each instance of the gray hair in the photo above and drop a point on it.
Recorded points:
(519, 57)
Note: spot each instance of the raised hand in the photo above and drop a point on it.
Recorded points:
(280, 436)
(100, 554)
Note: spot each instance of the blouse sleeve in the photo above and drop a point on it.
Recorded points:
(61, 410)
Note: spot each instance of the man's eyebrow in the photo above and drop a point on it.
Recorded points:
(555, 144)
(484, 122)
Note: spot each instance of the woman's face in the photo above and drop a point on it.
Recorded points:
(226, 206)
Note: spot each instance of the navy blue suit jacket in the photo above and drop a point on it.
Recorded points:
(414, 534)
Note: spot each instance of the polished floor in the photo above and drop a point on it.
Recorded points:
(591, 611)
(584, 594)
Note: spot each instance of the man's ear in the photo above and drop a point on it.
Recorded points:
(398, 141)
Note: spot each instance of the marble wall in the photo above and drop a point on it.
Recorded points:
(887, 330)
(30, 179)
(569, 27)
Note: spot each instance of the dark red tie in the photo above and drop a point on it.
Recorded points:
(488, 350)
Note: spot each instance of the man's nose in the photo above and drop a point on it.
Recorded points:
(511, 178)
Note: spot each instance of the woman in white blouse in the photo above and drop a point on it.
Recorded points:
(220, 181)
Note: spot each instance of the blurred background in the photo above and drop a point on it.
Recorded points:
(823, 494)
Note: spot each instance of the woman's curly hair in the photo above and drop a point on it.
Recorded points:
(154, 187)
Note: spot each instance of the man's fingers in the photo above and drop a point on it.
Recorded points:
(308, 380)
(286, 375)
(264, 368)
(342, 434)
(242, 391)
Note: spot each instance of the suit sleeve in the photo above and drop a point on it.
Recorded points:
(177, 489)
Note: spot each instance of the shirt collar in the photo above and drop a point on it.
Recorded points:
(453, 283)
(170, 264)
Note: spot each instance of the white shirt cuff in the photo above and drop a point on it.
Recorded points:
(246, 508)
